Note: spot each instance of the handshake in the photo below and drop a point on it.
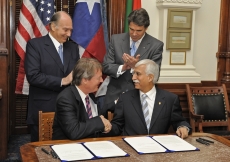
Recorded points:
(106, 123)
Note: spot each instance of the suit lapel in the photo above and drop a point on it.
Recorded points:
(81, 104)
(66, 55)
(125, 44)
(50, 48)
(135, 100)
(144, 46)
(158, 105)
(142, 49)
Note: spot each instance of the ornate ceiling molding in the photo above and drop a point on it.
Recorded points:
(192, 4)
(180, 1)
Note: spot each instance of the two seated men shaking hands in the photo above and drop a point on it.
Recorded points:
(144, 110)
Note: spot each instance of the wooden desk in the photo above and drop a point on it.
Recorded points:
(219, 151)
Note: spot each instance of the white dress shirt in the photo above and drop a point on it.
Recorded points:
(119, 71)
(92, 104)
(151, 95)
(55, 42)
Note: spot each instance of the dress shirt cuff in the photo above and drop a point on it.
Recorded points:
(119, 71)
(185, 127)
(131, 70)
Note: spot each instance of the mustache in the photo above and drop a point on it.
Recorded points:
(136, 81)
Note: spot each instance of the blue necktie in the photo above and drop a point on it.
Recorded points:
(133, 49)
(145, 110)
(60, 53)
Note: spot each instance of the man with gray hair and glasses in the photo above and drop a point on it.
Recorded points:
(148, 109)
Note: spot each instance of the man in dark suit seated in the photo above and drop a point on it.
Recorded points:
(125, 50)
(77, 114)
(148, 109)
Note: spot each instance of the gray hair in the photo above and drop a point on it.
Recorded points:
(85, 68)
(151, 68)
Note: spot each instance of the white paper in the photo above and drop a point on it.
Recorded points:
(70, 152)
(145, 145)
(104, 149)
(174, 143)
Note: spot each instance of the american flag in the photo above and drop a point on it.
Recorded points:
(33, 22)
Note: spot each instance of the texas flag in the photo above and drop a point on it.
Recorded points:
(88, 29)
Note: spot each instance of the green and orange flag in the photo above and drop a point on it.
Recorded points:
(131, 5)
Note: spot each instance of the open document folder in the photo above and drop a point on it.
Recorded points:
(88, 150)
(157, 144)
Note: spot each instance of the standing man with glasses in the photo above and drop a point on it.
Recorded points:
(148, 109)
(49, 61)
(125, 50)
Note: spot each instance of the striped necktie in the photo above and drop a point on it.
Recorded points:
(88, 107)
(60, 52)
(133, 49)
(145, 109)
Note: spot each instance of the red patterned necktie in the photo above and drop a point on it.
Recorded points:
(88, 107)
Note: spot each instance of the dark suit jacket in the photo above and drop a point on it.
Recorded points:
(150, 48)
(44, 72)
(71, 120)
(129, 119)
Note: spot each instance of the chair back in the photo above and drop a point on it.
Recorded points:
(45, 125)
(210, 104)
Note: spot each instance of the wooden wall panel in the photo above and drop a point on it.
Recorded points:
(223, 54)
(19, 106)
(4, 113)
(4, 52)
(65, 5)
(116, 16)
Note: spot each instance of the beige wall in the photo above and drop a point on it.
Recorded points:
(205, 36)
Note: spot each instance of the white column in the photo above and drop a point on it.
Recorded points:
(177, 73)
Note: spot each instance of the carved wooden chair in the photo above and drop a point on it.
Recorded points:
(209, 109)
(45, 125)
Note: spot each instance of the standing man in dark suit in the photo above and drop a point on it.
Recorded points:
(148, 109)
(77, 113)
(125, 50)
(49, 61)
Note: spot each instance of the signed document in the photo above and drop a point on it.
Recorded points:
(144, 145)
(70, 152)
(157, 144)
(102, 149)
(174, 143)
(88, 150)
